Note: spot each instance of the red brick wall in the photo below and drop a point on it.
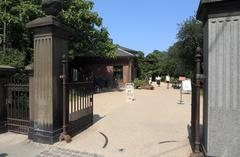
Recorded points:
(104, 69)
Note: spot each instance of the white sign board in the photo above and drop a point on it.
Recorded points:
(186, 86)
(129, 87)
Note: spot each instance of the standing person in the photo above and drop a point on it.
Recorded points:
(150, 80)
(168, 80)
(158, 79)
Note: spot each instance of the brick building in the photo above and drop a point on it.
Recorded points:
(107, 72)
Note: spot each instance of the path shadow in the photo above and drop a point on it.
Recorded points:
(170, 151)
(108, 90)
(3, 154)
(97, 117)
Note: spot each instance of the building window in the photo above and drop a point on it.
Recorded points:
(118, 72)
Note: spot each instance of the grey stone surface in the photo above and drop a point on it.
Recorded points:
(61, 152)
(222, 87)
(217, 8)
(50, 43)
(49, 21)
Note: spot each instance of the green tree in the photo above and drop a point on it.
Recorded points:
(155, 62)
(141, 68)
(190, 36)
(91, 36)
(18, 14)
(179, 58)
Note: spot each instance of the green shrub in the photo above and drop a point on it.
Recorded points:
(142, 84)
(13, 58)
(139, 83)
(174, 79)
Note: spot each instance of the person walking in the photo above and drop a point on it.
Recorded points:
(158, 79)
(150, 80)
(168, 80)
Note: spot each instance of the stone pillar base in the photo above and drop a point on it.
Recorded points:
(44, 136)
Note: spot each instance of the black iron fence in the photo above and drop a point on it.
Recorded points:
(80, 105)
(77, 101)
(17, 104)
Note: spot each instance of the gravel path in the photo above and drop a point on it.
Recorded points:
(154, 125)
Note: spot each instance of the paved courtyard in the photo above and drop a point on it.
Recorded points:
(154, 125)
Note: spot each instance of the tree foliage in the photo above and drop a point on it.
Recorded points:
(90, 35)
(179, 59)
(13, 58)
(190, 36)
(18, 14)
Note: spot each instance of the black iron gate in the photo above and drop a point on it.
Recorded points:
(77, 100)
(17, 102)
(80, 99)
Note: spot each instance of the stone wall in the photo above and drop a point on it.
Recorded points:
(103, 68)
(222, 101)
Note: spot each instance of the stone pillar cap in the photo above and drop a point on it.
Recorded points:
(207, 7)
(49, 21)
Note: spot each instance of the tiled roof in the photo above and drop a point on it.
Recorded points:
(120, 52)
(123, 53)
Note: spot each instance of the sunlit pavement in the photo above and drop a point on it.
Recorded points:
(154, 125)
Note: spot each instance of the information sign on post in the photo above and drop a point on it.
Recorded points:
(186, 86)
(129, 91)
(182, 79)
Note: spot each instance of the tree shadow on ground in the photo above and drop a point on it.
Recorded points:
(3, 155)
(108, 90)
(97, 117)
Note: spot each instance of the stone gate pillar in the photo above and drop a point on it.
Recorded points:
(221, 133)
(50, 43)
(4, 72)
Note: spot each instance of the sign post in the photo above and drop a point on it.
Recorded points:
(130, 91)
(181, 78)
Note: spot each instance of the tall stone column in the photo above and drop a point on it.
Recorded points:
(221, 20)
(50, 43)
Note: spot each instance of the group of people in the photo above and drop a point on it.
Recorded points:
(158, 80)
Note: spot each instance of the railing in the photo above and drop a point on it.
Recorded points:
(80, 99)
(77, 103)
(17, 102)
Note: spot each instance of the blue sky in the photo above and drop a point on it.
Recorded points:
(144, 25)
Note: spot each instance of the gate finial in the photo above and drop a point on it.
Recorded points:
(52, 7)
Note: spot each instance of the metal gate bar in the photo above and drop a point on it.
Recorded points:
(80, 103)
(18, 108)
